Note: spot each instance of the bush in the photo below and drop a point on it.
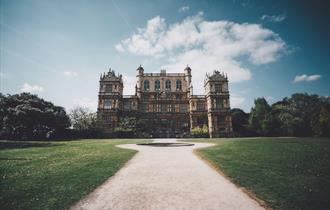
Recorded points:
(200, 132)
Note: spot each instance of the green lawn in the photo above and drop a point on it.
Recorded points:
(287, 173)
(41, 175)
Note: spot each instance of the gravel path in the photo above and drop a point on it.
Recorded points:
(167, 178)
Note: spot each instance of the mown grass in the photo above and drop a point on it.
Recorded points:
(36, 175)
(287, 173)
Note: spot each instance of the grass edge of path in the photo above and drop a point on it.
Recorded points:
(50, 186)
(216, 168)
(83, 198)
(217, 156)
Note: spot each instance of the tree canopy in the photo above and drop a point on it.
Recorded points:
(26, 116)
(82, 119)
(299, 115)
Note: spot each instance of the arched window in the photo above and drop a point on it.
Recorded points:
(168, 85)
(146, 85)
(178, 85)
(157, 85)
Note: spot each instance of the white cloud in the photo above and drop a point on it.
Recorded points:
(70, 73)
(119, 48)
(306, 78)
(184, 9)
(85, 102)
(274, 18)
(31, 88)
(205, 46)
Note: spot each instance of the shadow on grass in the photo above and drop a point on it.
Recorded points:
(22, 145)
(1, 158)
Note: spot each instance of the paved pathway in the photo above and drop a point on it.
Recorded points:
(167, 178)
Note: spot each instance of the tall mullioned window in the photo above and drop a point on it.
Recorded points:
(221, 119)
(200, 106)
(108, 88)
(218, 88)
(157, 85)
(183, 108)
(107, 104)
(146, 85)
(219, 104)
(144, 107)
(168, 85)
(178, 85)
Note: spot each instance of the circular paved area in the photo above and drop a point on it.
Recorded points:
(167, 178)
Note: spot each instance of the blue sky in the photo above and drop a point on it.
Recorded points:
(58, 49)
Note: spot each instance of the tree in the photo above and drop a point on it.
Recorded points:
(301, 115)
(320, 122)
(240, 122)
(83, 119)
(26, 116)
(260, 117)
(303, 106)
(267, 124)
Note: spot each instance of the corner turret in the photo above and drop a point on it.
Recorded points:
(218, 106)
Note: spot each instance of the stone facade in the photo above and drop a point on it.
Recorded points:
(165, 102)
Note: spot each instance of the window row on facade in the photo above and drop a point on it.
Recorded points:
(164, 108)
(146, 107)
(160, 96)
(221, 103)
(218, 88)
(199, 106)
(109, 88)
(157, 87)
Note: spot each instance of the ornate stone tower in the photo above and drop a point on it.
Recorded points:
(109, 103)
(218, 106)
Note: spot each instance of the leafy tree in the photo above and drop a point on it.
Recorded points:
(240, 122)
(267, 125)
(303, 107)
(260, 119)
(26, 116)
(299, 115)
(83, 119)
(320, 122)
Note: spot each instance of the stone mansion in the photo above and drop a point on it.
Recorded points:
(166, 104)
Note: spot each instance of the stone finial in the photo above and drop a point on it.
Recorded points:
(188, 68)
(140, 68)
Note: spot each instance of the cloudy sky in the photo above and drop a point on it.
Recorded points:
(58, 49)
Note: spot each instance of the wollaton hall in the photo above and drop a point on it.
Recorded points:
(166, 104)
